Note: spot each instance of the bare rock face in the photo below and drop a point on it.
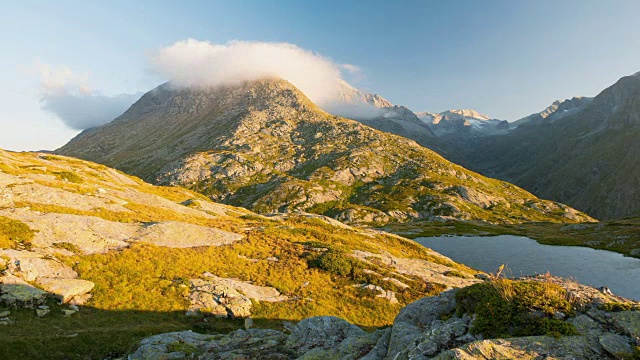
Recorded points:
(180, 235)
(323, 332)
(31, 265)
(477, 198)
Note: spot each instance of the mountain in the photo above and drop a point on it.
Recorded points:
(111, 259)
(349, 94)
(463, 124)
(582, 152)
(264, 146)
(556, 111)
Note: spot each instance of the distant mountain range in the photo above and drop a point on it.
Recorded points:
(580, 151)
(584, 152)
(265, 146)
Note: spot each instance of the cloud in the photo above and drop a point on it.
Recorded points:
(67, 95)
(84, 111)
(350, 68)
(201, 63)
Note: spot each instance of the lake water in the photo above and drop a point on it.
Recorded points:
(524, 256)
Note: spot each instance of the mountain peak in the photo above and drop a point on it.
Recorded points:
(463, 113)
(263, 145)
(349, 94)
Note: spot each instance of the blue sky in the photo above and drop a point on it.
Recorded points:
(503, 58)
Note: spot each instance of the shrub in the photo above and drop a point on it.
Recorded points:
(335, 263)
(515, 308)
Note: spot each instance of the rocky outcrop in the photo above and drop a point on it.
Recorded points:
(216, 299)
(15, 292)
(56, 279)
(426, 329)
(66, 289)
(180, 235)
(222, 297)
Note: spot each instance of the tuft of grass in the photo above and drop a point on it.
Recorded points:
(69, 176)
(619, 306)
(456, 273)
(67, 246)
(15, 234)
(506, 308)
(186, 349)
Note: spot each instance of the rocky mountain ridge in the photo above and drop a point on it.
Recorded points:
(463, 124)
(582, 154)
(556, 111)
(264, 146)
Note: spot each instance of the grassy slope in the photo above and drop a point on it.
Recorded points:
(140, 289)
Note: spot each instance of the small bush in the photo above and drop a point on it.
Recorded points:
(335, 263)
(515, 308)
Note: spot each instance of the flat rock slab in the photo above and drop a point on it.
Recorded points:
(616, 345)
(182, 235)
(33, 265)
(66, 289)
(90, 234)
(15, 292)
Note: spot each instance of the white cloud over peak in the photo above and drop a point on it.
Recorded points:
(67, 95)
(201, 63)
